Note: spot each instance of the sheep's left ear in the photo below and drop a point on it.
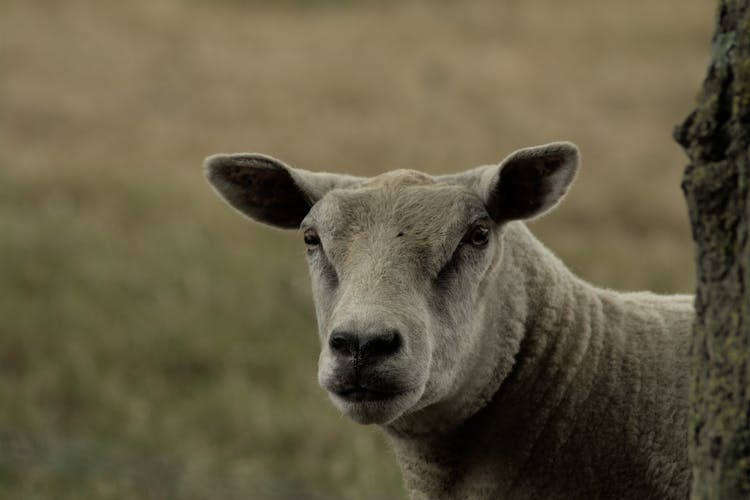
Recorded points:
(530, 181)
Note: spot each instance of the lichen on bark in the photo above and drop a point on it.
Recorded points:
(716, 137)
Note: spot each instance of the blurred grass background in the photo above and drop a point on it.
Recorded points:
(155, 345)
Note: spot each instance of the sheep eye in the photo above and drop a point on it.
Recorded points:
(478, 236)
(311, 238)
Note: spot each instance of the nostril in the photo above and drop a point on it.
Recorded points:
(344, 343)
(385, 344)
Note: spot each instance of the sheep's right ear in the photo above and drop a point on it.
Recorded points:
(267, 190)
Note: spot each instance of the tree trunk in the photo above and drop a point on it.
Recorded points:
(716, 137)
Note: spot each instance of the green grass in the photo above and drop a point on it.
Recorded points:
(150, 352)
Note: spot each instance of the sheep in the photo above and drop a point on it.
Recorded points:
(494, 371)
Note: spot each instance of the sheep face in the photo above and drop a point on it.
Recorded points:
(398, 264)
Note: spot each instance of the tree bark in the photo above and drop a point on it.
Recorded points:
(716, 137)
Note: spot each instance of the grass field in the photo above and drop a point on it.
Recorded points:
(155, 345)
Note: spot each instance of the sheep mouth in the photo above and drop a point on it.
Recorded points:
(359, 394)
(376, 403)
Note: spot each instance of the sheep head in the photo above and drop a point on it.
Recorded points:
(398, 263)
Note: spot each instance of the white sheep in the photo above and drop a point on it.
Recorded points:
(495, 372)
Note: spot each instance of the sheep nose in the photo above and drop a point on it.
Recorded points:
(365, 347)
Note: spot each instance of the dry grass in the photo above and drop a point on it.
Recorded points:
(154, 345)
